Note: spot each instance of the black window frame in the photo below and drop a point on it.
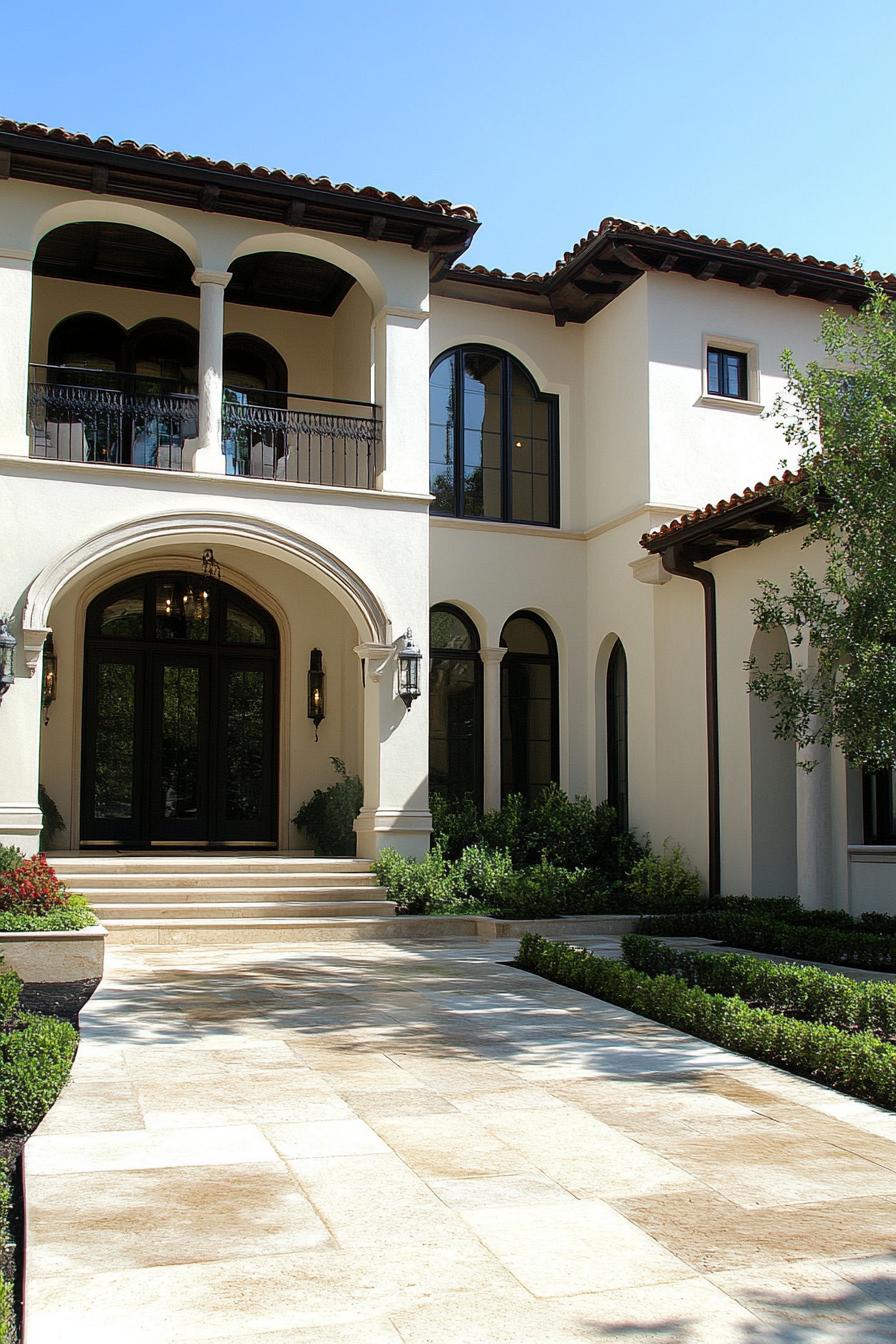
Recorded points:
(509, 364)
(473, 656)
(513, 659)
(725, 353)
(617, 733)
(879, 813)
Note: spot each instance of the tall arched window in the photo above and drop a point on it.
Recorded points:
(254, 375)
(617, 733)
(529, 706)
(493, 439)
(455, 704)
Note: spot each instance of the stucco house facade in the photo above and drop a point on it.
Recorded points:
(254, 426)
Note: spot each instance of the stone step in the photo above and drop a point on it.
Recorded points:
(305, 880)
(115, 914)
(208, 932)
(189, 895)
(201, 863)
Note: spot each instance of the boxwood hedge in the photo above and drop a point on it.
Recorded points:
(859, 1063)
(836, 944)
(798, 991)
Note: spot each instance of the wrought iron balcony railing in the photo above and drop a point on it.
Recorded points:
(311, 440)
(97, 415)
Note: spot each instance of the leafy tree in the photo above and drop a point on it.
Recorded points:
(840, 415)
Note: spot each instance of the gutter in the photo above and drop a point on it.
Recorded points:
(675, 562)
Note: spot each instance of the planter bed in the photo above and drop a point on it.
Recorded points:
(55, 957)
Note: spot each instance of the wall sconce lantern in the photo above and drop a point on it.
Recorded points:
(7, 654)
(50, 668)
(409, 671)
(317, 679)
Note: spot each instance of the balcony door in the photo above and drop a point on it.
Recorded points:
(180, 717)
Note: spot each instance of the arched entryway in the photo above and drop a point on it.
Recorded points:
(180, 716)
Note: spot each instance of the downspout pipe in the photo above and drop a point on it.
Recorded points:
(676, 562)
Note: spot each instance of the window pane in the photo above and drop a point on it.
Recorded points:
(541, 500)
(241, 627)
(441, 405)
(455, 724)
(491, 493)
(182, 609)
(123, 618)
(713, 379)
(448, 631)
(734, 371)
(482, 373)
(523, 635)
(443, 373)
(113, 787)
(180, 742)
(522, 497)
(521, 454)
(244, 745)
(540, 419)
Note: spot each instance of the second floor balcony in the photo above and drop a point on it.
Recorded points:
(95, 415)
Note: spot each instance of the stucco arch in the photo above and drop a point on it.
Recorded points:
(97, 209)
(309, 245)
(147, 534)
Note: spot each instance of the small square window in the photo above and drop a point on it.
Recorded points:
(726, 373)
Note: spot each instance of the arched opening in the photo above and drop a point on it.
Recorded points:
(109, 395)
(772, 783)
(107, 252)
(179, 716)
(530, 757)
(255, 375)
(493, 439)
(617, 733)
(455, 704)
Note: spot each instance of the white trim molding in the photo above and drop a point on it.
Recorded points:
(751, 404)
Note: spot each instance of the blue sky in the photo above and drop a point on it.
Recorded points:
(772, 122)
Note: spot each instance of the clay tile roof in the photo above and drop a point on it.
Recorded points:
(37, 130)
(722, 506)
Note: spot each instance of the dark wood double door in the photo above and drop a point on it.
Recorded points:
(179, 744)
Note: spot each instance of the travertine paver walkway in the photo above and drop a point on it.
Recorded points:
(370, 1144)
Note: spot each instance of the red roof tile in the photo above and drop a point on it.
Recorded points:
(40, 132)
(722, 506)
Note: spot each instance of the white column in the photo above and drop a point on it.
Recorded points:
(209, 454)
(20, 714)
(401, 390)
(396, 762)
(15, 306)
(491, 728)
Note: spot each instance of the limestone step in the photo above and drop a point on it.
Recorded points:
(114, 913)
(176, 895)
(202, 863)
(209, 878)
(209, 932)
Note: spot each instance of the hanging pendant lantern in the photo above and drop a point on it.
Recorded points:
(317, 679)
(7, 656)
(50, 669)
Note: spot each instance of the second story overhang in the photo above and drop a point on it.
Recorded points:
(36, 153)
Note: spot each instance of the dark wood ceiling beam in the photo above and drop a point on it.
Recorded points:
(622, 252)
(755, 280)
(208, 197)
(669, 261)
(709, 271)
(786, 291)
(376, 227)
(608, 287)
(295, 213)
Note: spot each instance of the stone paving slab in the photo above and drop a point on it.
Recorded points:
(380, 1144)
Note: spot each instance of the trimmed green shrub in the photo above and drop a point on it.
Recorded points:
(759, 933)
(546, 891)
(798, 991)
(858, 1063)
(665, 882)
(10, 993)
(426, 886)
(75, 913)
(35, 1060)
(327, 817)
(481, 874)
(53, 821)
(10, 857)
(456, 824)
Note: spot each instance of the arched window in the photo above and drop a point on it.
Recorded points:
(493, 439)
(87, 341)
(455, 704)
(254, 375)
(617, 733)
(529, 706)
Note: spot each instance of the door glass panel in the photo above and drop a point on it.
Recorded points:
(244, 743)
(182, 608)
(123, 618)
(241, 627)
(180, 744)
(113, 787)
